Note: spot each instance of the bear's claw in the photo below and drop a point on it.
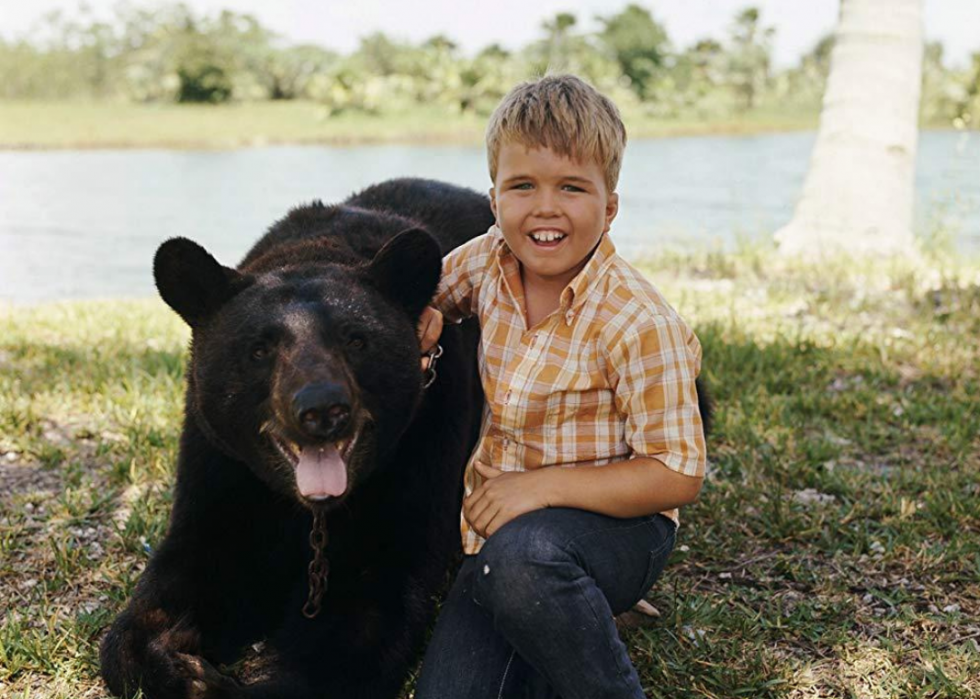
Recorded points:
(206, 681)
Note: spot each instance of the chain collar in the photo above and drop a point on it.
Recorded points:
(319, 568)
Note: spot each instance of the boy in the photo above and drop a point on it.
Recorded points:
(585, 367)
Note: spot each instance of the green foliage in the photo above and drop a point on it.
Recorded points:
(949, 96)
(805, 83)
(639, 44)
(172, 53)
(749, 57)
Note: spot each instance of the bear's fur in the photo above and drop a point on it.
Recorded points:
(309, 343)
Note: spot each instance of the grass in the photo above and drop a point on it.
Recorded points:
(835, 551)
(26, 124)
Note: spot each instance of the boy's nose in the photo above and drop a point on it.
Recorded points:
(546, 204)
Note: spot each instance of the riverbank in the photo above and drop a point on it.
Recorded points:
(84, 125)
(835, 550)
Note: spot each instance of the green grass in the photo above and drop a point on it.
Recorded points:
(835, 551)
(26, 124)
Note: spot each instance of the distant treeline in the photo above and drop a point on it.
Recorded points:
(172, 54)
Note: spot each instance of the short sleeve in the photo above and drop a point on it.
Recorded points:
(653, 364)
(463, 270)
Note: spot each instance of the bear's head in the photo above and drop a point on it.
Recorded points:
(308, 373)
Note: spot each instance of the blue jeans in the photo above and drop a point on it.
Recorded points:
(531, 615)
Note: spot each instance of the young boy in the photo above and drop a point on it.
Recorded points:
(591, 424)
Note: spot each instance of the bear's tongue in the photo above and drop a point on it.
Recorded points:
(321, 472)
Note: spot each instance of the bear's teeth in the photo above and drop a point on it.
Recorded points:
(287, 449)
(343, 448)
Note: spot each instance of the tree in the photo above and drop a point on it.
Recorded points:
(858, 193)
(638, 43)
(692, 83)
(806, 83)
(968, 102)
(558, 32)
(287, 73)
(938, 103)
(749, 56)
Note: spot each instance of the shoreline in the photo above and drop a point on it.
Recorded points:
(432, 140)
(45, 126)
(35, 126)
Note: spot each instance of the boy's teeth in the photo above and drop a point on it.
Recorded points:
(548, 236)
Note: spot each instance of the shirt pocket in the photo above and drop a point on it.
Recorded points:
(578, 406)
(582, 426)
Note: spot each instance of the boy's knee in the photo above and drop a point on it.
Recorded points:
(517, 566)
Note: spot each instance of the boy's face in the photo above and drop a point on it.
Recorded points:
(538, 194)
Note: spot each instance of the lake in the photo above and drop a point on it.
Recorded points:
(84, 224)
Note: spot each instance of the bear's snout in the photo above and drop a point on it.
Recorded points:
(322, 410)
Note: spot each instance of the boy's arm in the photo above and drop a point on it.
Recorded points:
(629, 488)
(653, 368)
(456, 295)
(463, 270)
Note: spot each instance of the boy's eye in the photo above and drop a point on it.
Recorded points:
(573, 188)
(522, 185)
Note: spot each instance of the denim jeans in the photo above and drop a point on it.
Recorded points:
(531, 615)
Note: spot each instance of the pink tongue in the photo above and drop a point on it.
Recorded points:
(321, 472)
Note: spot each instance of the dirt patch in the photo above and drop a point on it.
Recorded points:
(21, 477)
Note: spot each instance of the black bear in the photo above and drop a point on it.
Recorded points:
(319, 480)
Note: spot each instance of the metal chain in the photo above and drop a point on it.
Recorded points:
(319, 567)
(430, 372)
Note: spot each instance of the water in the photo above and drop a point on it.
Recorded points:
(83, 224)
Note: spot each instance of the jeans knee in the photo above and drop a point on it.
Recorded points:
(517, 569)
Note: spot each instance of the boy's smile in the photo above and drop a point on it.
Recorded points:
(552, 210)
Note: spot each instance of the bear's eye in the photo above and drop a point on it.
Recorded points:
(355, 342)
(260, 351)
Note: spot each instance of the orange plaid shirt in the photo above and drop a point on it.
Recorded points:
(606, 377)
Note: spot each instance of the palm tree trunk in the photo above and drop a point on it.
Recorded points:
(859, 190)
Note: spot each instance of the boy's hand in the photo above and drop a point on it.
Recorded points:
(429, 330)
(503, 496)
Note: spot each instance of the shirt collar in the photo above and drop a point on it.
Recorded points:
(574, 293)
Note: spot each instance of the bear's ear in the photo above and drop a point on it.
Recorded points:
(191, 281)
(407, 269)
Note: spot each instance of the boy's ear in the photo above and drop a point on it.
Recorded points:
(407, 269)
(493, 201)
(612, 208)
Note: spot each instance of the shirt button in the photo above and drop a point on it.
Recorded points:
(568, 318)
(507, 398)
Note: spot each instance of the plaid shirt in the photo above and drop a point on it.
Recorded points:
(608, 376)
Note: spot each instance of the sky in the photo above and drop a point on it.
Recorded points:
(338, 24)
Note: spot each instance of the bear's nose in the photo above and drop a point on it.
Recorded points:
(321, 410)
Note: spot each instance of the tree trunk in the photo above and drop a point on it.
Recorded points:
(859, 191)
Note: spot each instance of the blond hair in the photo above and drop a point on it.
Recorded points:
(562, 113)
